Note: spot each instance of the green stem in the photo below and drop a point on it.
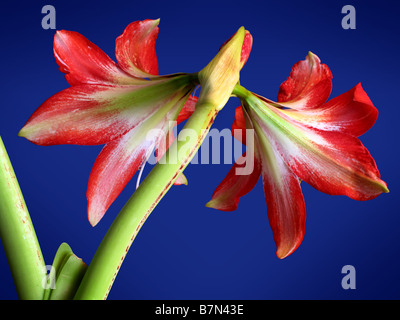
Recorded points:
(244, 94)
(108, 258)
(241, 92)
(18, 235)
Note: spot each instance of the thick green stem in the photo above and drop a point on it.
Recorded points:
(18, 235)
(108, 258)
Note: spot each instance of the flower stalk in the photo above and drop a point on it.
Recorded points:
(104, 267)
(18, 235)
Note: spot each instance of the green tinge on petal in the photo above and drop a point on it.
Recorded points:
(181, 180)
(93, 114)
(334, 163)
(220, 76)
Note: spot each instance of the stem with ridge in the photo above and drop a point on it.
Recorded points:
(18, 235)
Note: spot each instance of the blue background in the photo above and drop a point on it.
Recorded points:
(185, 250)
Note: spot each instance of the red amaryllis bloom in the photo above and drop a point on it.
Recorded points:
(120, 104)
(112, 104)
(301, 137)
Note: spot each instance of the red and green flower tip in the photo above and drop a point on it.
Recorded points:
(302, 137)
(117, 104)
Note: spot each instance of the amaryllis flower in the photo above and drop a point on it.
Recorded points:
(112, 104)
(122, 105)
(301, 137)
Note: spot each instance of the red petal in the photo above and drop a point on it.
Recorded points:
(114, 167)
(351, 112)
(121, 158)
(187, 109)
(243, 175)
(85, 115)
(181, 180)
(309, 85)
(239, 126)
(83, 62)
(135, 48)
(234, 186)
(97, 114)
(338, 164)
(332, 162)
(285, 203)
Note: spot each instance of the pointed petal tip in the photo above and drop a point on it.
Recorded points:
(24, 133)
(361, 96)
(283, 252)
(218, 205)
(308, 86)
(135, 48)
(209, 204)
(95, 211)
(181, 180)
(56, 34)
(313, 57)
(60, 35)
(93, 216)
(154, 22)
(60, 32)
(93, 223)
(379, 186)
(311, 54)
(385, 188)
(212, 204)
(21, 133)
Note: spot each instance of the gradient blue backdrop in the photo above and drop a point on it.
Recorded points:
(185, 250)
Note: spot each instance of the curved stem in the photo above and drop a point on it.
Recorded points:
(18, 235)
(241, 92)
(108, 258)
